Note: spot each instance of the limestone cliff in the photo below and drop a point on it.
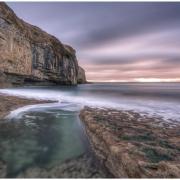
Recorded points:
(81, 75)
(28, 54)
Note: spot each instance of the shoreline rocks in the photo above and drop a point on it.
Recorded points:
(10, 103)
(131, 145)
(80, 167)
(29, 54)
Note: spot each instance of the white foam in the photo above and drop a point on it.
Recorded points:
(168, 110)
(18, 113)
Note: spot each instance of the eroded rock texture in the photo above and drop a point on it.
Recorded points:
(81, 75)
(29, 54)
(131, 145)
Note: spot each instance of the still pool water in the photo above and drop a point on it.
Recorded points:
(43, 138)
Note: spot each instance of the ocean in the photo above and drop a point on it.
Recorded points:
(161, 99)
(40, 137)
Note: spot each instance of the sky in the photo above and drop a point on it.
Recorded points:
(114, 41)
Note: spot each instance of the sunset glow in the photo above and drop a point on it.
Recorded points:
(141, 45)
(139, 80)
(157, 80)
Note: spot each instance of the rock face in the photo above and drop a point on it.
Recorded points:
(81, 75)
(130, 145)
(28, 54)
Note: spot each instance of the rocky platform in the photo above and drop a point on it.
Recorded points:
(10, 103)
(29, 54)
(131, 145)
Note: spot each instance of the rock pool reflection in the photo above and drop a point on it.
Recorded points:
(41, 138)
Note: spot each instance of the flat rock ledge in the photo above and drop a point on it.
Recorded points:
(10, 103)
(131, 145)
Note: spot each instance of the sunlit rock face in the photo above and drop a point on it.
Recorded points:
(28, 54)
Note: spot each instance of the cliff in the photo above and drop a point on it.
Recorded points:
(81, 75)
(28, 54)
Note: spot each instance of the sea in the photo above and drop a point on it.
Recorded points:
(47, 135)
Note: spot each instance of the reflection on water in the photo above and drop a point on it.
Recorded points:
(41, 138)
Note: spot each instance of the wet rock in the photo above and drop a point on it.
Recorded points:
(80, 167)
(9, 103)
(3, 80)
(133, 146)
(3, 169)
(28, 54)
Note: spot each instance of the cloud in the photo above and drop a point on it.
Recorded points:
(114, 40)
(129, 20)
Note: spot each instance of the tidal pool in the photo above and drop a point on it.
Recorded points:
(42, 138)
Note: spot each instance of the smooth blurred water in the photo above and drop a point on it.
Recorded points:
(162, 99)
(46, 135)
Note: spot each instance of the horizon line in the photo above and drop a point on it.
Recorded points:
(143, 80)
